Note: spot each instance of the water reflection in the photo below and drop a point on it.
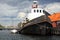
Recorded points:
(7, 35)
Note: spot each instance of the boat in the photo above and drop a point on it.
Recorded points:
(13, 31)
(38, 22)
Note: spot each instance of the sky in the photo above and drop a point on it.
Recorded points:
(10, 10)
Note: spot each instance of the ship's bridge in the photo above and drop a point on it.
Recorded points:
(35, 12)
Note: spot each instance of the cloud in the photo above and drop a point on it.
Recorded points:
(21, 15)
(6, 10)
(9, 21)
(53, 7)
(13, 8)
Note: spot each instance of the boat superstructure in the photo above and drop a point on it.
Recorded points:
(35, 11)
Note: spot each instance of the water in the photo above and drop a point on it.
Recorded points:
(7, 35)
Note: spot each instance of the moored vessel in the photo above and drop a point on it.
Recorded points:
(38, 22)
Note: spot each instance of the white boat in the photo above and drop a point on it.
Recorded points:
(14, 31)
(38, 21)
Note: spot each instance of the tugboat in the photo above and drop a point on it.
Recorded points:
(38, 22)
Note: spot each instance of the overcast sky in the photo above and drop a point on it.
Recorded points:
(10, 9)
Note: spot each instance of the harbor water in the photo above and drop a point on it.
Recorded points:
(7, 35)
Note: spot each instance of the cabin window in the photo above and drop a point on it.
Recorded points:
(37, 10)
(40, 11)
(34, 10)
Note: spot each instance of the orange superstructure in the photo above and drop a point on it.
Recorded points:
(55, 18)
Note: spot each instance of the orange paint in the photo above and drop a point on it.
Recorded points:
(54, 18)
(54, 24)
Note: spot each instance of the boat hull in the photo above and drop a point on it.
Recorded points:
(40, 25)
(42, 29)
